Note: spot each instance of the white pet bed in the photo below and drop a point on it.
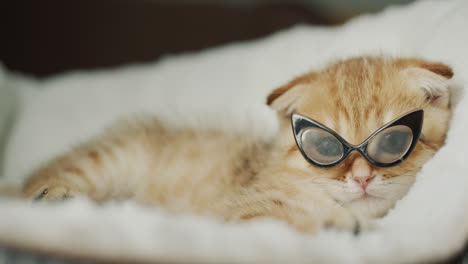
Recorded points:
(227, 86)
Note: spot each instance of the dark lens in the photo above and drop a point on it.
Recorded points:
(328, 146)
(321, 146)
(394, 142)
(390, 144)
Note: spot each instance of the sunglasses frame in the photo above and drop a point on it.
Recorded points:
(413, 120)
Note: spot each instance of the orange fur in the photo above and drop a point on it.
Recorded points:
(237, 178)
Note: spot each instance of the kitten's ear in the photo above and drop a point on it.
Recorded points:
(439, 68)
(434, 81)
(285, 98)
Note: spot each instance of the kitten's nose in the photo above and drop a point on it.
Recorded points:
(361, 172)
(364, 181)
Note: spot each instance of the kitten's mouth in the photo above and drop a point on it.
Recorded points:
(365, 197)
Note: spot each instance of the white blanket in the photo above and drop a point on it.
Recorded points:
(227, 87)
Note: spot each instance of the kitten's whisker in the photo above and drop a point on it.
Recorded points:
(397, 183)
(309, 180)
(404, 174)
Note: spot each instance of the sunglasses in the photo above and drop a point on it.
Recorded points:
(388, 146)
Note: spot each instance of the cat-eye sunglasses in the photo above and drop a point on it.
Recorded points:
(388, 146)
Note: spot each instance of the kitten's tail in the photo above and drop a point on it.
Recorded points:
(10, 190)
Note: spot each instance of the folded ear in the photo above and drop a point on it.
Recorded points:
(439, 68)
(285, 98)
(434, 81)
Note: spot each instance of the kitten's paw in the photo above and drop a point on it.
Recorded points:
(363, 224)
(57, 193)
(49, 192)
(347, 221)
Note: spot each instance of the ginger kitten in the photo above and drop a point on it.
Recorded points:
(236, 177)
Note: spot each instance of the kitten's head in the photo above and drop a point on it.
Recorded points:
(354, 98)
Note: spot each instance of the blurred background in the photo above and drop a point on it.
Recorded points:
(45, 37)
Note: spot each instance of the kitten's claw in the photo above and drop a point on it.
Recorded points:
(363, 225)
(357, 228)
(42, 194)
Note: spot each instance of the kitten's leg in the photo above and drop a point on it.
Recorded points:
(109, 167)
(306, 215)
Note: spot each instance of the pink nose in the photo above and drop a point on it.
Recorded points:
(361, 172)
(364, 181)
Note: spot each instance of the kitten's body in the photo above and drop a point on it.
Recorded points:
(237, 177)
(182, 169)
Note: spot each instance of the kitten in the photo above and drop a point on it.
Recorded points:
(236, 177)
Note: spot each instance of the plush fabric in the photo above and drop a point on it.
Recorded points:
(7, 106)
(226, 87)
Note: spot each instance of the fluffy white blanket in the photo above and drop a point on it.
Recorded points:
(226, 87)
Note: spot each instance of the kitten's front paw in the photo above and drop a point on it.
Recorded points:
(364, 224)
(346, 220)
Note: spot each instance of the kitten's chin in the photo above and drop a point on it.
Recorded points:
(370, 206)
